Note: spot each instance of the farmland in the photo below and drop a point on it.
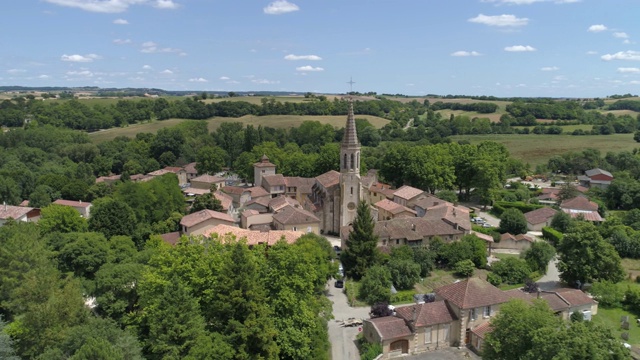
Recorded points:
(275, 121)
(537, 149)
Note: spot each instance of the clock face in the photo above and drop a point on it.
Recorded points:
(351, 206)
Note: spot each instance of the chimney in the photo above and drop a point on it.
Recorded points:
(5, 205)
(414, 315)
(413, 227)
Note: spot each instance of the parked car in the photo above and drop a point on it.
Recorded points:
(339, 284)
(337, 250)
(486, 225)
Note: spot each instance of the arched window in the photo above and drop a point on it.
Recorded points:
(358, 162)
(344, 163)
(353, 162)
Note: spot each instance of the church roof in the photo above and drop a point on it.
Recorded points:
(329, 179)
(264, 162)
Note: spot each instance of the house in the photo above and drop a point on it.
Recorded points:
(18, 213)
(581, 206)
(406, 195)
(379, 191)
(280, 202)
(517, 242)
(200, 221)
(83, 207)
(109, 180)
(392, 333)
(455, 216)
(410, 231)
(257, 192)
(427, 201)
(240, 195)
(298, 188)
(563, 301)
(171, 238)
(255, 220)
(191, 171)
(296, 219)
(549, 196)
(260, 205)
(596, 178)
(274, 184)
(539, 218)
(388, 210)
(253, 238)
(262, 168)
(205, 181)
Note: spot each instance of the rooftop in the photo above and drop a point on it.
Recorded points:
(81, 204)
(427, 314)
(254, 237)
(407, 192)
(14, 212)
(210, 179)
(579, 203)
(472, 293)
(329, 179)
(204, 215)
(390, 327)
(539, 216)
(290, 215)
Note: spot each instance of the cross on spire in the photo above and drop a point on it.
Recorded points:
(351, 82)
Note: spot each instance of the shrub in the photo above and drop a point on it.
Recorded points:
(512, 270)
(464, 268)
(554, 236)
(500, 206)
(494, 279)
(368, 351)
(607, 294)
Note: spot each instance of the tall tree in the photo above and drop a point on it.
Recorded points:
(586, 257)
(211, 159)
(61, 219)
(206, 201)
(539, 255)
(112, 217)
(513, 221)
(6, 344)
(360, 252)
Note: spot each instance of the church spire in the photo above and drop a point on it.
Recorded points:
(350, 138)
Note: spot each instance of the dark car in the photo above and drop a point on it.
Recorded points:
(339, 284)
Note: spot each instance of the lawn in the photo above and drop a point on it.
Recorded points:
(441, 277)
(276, 121)
(537, 149)
(611, 318)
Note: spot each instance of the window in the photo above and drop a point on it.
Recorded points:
(487, 311)
(473, 314)
(445, 332)
(427, 335)
(295, 228)
(397, 241)
(353, 162)
(344, 163)
(352, 190)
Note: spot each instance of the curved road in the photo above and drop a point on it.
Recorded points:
(342, 339)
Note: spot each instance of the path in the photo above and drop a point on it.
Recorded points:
(343, 338)
(551, 280)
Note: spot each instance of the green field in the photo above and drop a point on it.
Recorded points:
(565, 128)
(537, 149)
(275, 121)
(611, 319)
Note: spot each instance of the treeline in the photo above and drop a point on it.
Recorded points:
(633, 105)
(483, 108)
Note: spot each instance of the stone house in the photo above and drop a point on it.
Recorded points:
(199, 222)
(388, 210)
(539, 218)
(262, 168)
(274, 184)
(83, 207)
(190, 170)
(517, 242)
(18, 213)
(205, 181)
(379, 191)
(239, 195)
(426, 202)
(581, 206)
(253, 238)
(407, 195)
(296, 219)
(254, 220)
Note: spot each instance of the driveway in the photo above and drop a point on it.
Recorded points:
(343, 338)
(551, 280)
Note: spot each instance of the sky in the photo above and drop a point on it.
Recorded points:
(505, 48)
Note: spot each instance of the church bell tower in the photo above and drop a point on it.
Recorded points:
(350, 183)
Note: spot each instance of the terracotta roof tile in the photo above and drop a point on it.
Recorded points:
(427, 314)
(539, 216)
(390, 327)
(407, 192)
(204, 215)
(427, 201)
(579, 203)
(302, 184)
(14, 212)
(575, 297)
(255, 237)
(384, 189)
(457, 216)
(258, 191)
(274, 180)
(290, 215)
(171, 238)
(392, 207)
(485, 237)
(482, 330)
(279, 202)
(329, 179)
(160, 172)
(235, 190)
(264, 162)
(225, 200)
(190, 168)
(587, 215)
(413, 228)
(209, 179)
(472, 293)
(264, 201)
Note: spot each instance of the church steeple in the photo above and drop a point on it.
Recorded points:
(350, 146)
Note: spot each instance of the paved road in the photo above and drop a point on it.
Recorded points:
(551, 280)
(342, 339)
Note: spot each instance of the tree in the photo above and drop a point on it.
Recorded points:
(6, 344)
(539, 255)
(84, 254)
(42, 196)
(361, 246)
(404, 273)
(380, 309)
(561, 221)
(211, 159)
(513, 221)
(375, 286)
(512, 270)
(9, 191)
(426, 258)
(61, 218)
(206, 201)
(112, 217)
(464, 268)
(586, 257)
(567, 191)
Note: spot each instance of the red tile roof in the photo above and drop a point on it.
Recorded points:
(427, 314)
(456, 216)
(278, 203)
(73, 203)
(472, 293)
(264, 162)
(482, 330)
(274, 180)
(190, 168)
(204, 215)
(254, 237)
(412, 228)
(257, 191)
(303, 185)
(210, 179)
(290, 215)
(485, 237)
(171, 238)
(390, 327)
(587, 215)
(392, 207)
(539, 216)
(407, 192)
(235, 190)
(384, 189)
(225, 200)
(579, 203)
(329, 179)
(14, 212)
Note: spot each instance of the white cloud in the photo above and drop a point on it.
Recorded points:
(165, 4)
(592, 52)
(634, 82)
(44, 76)
(465, 53)
(626, 41)
(203, 80)
(265, 81)
(122, 41)
(111, 6)
(166, 72)
(597, 28)
(302, 57)
(80, 58)
(499, 20)
(233, 82)
(146, 67)
(279, 7)
(16, 71)
(622, 55)
(150, 47)
(83, 73)
(225, 78)
(629, 70)
(309, 68)
(620, 35)
(120, 22)
(550, 68)
(519, 48)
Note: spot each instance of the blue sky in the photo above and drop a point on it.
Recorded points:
(558, 48)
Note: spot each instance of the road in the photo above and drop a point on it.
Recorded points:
(343, 338)
(551, 280)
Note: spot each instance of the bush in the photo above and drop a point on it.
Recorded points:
(554, 236)
(494, 279)
(404, 273)
(607, 294)
(512, 270)
(368, 351)
(500, 206)
(464, 268)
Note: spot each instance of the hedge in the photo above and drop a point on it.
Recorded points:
(554, 236)
(500, 206)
